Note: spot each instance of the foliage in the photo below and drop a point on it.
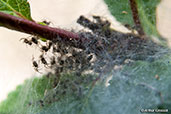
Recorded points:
(147, 13)
(19, 8)
(117, 8)
(131, 89)
(18, 101)
(137, 85)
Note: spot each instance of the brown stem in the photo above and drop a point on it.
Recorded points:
(136, 17)
(30, 27)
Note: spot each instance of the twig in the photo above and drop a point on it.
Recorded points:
(136, 18)
(30, 27)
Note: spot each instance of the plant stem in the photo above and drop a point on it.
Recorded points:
(136, 18)
(30, 27)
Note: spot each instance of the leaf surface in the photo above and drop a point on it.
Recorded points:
(121, 10)
(19, 8)
(133, 88)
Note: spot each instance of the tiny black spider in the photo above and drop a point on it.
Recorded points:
(53, 61)
(61, 62)
(42, 59)
(35, 65)
(46, 22)
(34, 40)
(89, 57)
(25, 40)
(50, 44)
(44, 48)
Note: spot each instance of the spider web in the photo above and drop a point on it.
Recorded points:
(113, 73)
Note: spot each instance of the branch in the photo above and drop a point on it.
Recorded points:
(30, 27)
(136, 18)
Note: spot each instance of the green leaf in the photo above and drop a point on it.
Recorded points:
(117, 9)
(121, 10)
(147, 13)
(19, 8)
(131, 89)
(18, 101)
